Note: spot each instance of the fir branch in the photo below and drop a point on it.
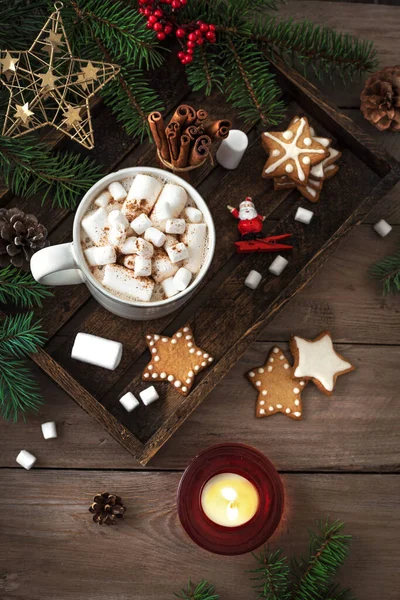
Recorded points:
(272, 576)
(205, 72)
(20, 336)
(251, 87)
(19, 22)
(327, 552)
(320, 48)
(31, 168)
(21, 289)
(387, 271)
(19, 392)
(202, 591)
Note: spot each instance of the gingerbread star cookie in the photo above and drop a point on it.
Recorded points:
(318, 360)
(292, 152)
(278, 389)
(176, 359)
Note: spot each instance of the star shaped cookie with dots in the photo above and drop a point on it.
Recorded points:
(176, 359)
(278, 389)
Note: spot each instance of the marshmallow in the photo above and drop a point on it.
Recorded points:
(178, 252)
(96, 350)
(141, 223)
(128, 246)
(142, 266)
(195, 240)
(170, 240)
(122, 281)
(143, 248)
(117, 191)
(176, 226)
(277, 265)
(26, 459)
(118, 227)
(253, 279)
(169, 287)
(303, 215)
(162, 267)
(194, 214)
(129, 402)
(173, 195)
(129, 261)
(382, 227)
(155, 236)
(182, 278)
(142, 196)
(149, 395)
(103, 199)
(100, 255)
(49, 430)
(94, 223)
(116, 218)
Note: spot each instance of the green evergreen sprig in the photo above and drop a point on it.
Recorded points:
(21, 288)
(20, 21)
(20, 335)
(272, 576)
(387, 271)
(202, 591)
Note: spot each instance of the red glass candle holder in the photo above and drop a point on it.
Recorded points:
(249, 463)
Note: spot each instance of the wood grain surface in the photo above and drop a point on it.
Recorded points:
(342, 458)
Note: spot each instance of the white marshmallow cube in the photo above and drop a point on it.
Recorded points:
(129, 402)
(123, 281)
(97, 351)
(94, 223)
(170, 240)
(140, 224)
(195, 239)
(142, 196)
(253, 280)
(117, 191)
(103, 199)
(100, 255)
(303, 215)
(277, 265)
(143, 248)
(194, 214)
(178, 252)
(182, 278)
(155, 236)
(142, 266)
(26, 459)
(173, 195)
(116, 218)
(162, 267)
(128, 246)
(169, 287)
(176, 226)
(129, 261)
(149, 395)
(382, 227)
(49, 430)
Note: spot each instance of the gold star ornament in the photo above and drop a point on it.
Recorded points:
(176, 359)
(278, 389)
(52, 85)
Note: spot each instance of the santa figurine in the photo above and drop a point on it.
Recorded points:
(250, 222)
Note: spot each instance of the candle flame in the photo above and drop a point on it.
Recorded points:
(229, 494)
(232, 511)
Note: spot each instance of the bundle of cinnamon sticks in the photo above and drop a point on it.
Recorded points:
(187, 139)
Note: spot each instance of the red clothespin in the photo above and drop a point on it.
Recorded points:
(267, 244)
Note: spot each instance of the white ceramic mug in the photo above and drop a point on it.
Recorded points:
(65, 264)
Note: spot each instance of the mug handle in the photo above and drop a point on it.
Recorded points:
(56, 265)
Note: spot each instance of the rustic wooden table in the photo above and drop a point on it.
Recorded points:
(341, 460)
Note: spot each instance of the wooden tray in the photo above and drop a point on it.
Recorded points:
(225, 315)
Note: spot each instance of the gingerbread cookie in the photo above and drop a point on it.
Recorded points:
(292, 152)
(317, 360)
(283, 183)
(278, 389)
(312, 190)
(175, 359)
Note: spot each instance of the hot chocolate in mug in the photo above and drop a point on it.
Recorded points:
(65, 264)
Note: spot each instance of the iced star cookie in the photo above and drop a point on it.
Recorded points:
(317, 360)
(292, 152)
(278, 389)
(175, 359)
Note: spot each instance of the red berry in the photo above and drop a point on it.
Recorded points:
(192, 37)
(200, 41)
(204, 27)
(176, 4)
(147, 12)
(191, 44)
(180, 33)
(210, 35)
(142, 1)
(211, 27)
(158, 26)
(158, 13)
(152, 19)
(190, 50)
(183, 2)
(168, 29)
(181, 55)
(161, 35)
(188, 59)
(149, 25)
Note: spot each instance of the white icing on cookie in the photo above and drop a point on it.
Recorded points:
(287, 135)
(307, 141)
(306, 160)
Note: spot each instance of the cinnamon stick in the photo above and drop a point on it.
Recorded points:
(192, 132)
(184, 149)
(201, 116)
(184, 115)
(156, 123)
(173, 143)
(213, 128)
(200, 150)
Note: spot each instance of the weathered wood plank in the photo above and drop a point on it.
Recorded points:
(54, 550)
(355, 430)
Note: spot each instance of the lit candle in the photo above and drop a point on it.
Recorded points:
(229, 499)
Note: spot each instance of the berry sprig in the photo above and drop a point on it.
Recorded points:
(189, 35)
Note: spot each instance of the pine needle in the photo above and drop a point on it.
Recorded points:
(272, 576)
(387, 271)
(202, 591)
(21, 289)
(19, 336)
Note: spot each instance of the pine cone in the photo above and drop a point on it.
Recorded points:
(107, 508)
(21, 236)
(380, 99)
